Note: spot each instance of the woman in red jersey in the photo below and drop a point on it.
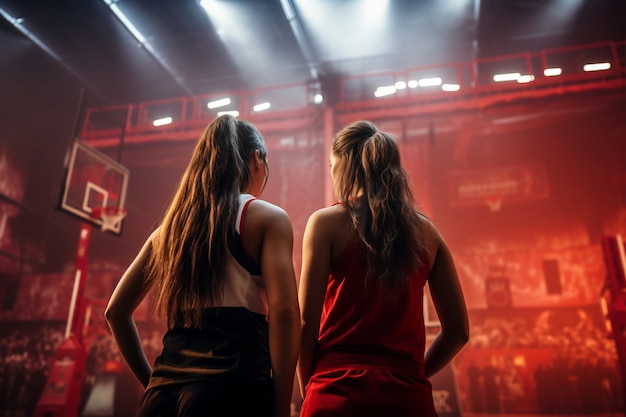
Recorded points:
(365, 263)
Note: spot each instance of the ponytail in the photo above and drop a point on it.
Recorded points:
(374, 187)
(188, 254)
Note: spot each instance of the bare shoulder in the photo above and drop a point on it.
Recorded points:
(429, 229)
(266, 224)
(329, 228)
(265, 208)
(432, 237)
(154, 234)
(329, 219)
(334, 213)
(264, 213)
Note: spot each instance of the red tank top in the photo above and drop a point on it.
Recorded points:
(360, 320)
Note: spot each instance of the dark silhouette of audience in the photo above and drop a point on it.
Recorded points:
(581, 377)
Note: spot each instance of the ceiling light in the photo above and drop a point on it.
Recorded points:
(122, 17)
(287, 141)
(599, 66)
(143, 42)
(162, 121)
(318, 98)
(525, 78)
(511, 76)
(412, 84)
(287, 9)
(262, 106)
(207, 4)
(385, 91)
(218, 103)
(400, 85)
(450, 87)
(233, 113)
(429, 82)
(552, 72)
(17, 23)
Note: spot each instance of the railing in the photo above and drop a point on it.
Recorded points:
(414, 91)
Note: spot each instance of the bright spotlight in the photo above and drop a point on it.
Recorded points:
(400, 85)
(218, 103)
(385, 91)
(262, 106)
(599, 66)
(429, 82)
(511, 76)
(525, 78)
(233, 113)
(450, 87)
(162, 121)
(552, 72)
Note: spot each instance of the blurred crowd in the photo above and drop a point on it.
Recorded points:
(26, 351)
(578, 376)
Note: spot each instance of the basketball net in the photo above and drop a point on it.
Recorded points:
(111, 217)
(494, 203)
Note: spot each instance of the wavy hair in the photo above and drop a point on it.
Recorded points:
(189, 253)
(372, 184)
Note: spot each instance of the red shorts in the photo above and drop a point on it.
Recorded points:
(367, 390)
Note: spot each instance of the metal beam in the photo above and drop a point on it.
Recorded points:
(145, 44)
(298, 32)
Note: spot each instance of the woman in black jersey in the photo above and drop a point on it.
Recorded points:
(221, 267)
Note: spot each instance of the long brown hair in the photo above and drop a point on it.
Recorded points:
(189, 252)
(372, 184)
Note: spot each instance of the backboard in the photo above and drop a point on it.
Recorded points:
(93, 179)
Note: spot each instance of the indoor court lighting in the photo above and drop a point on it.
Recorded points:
(218, 103)
(412, 83)
(17, 24)
(400, 85)
(552, 72)
(385, 91)
(262, 106)
(287, 9)
(219, 14)
(287, 141)
(525, 78)
(122, 17)
(511, 76)
(375, 11)
(208, 4)
(162, 121)
(144, 42)
(233, 113)
(599, 66)
(429, 82)
(450, 87)
(318, 98)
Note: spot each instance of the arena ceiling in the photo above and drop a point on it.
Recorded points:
(137, 50)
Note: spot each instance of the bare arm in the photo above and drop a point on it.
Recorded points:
(284, 313)
(316, 258)
(447, 296)
(128, 294)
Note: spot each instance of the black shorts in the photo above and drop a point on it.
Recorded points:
(209, 399)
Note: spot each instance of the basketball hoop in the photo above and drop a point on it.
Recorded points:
(494, 202)
(111, 217)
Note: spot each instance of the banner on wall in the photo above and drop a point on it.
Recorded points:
(513, 183)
